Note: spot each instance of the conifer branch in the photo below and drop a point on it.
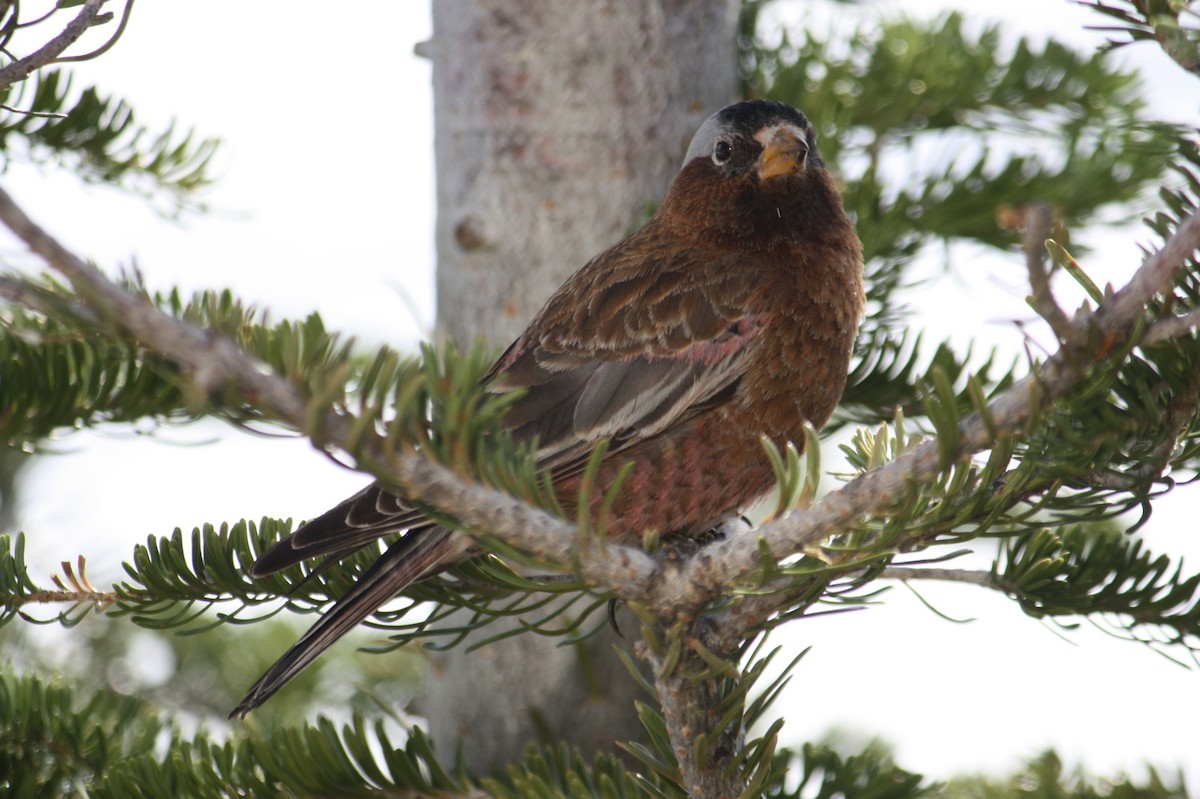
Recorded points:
(21, 69)
(1165, 23)
(728, 562)
(108, 45)
(696, 662)
(212, 362)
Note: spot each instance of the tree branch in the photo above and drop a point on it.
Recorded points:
(1155, 274)
(100, 598)
(21, 69)
(211, 362)
(667, 588)
(725, 563)
(1172, 327)
(693, 711)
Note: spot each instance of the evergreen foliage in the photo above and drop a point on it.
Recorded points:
(1169, 23)
(98, 139)
(1025, 123)
(55, 743)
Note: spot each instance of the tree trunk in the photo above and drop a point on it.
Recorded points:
(558, 125)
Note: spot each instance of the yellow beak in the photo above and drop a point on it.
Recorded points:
(784, 151)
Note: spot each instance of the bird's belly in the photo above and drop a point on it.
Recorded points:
(684, 481)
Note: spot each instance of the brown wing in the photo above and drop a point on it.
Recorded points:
(643, 336)
(633, 343)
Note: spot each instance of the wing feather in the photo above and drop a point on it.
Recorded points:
(654, 346)
(638, 340)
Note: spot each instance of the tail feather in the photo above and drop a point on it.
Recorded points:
(350, 525)
(418, 554)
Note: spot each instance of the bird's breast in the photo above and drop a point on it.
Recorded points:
(802, 357)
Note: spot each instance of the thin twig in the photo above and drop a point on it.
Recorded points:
(1173, 327)
(1039, 220)
(102, 598)
(1155, 275)
(104, 48)
(970, 576)
(37, 114)
(22, 69)
(19, 293)
(731, 626)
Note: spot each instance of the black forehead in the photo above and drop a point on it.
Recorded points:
(745, 119)
(751, 116)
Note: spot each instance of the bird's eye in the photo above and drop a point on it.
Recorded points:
(722, 152)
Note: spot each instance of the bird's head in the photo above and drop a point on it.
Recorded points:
(752, 178)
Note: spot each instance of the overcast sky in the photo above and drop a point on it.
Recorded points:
(324, 202)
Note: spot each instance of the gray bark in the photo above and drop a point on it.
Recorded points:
(557, 126)
(556, 123)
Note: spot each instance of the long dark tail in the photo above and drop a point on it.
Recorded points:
(418, 554)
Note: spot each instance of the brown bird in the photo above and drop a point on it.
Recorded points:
(730, 315)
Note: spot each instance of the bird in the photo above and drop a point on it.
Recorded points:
(729, 316)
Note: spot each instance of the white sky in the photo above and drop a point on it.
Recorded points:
(325, 202)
